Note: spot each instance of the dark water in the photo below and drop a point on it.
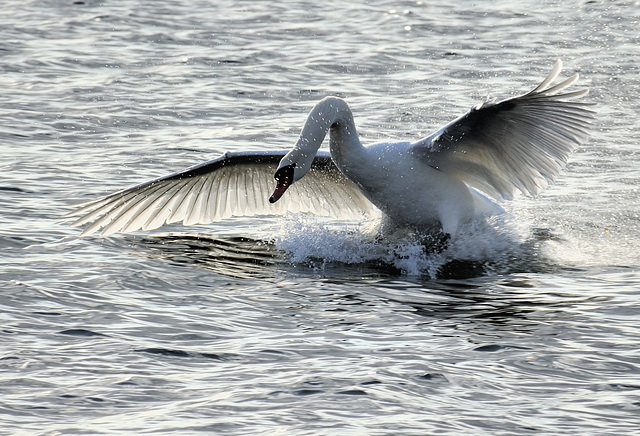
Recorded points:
(296, 326)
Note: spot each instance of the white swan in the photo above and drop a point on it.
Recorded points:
(518, 145)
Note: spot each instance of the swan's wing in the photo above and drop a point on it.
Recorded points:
(515, 145)
(235, 184)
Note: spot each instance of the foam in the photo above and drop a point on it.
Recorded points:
(492, 242)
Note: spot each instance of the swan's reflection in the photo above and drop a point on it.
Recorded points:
(466, 297)
(231, 256)
(245, 257)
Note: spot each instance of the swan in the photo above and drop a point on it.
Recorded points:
(495, 151)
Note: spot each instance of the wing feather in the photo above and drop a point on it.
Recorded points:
(235, 184)
(136, 218)
(204, 212)
(160, 211)
(193, 204)
(518, 145)
(555, 72)
(181, 201)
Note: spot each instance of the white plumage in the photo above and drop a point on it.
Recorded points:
(518, 145)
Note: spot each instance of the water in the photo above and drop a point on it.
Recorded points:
(292, 326)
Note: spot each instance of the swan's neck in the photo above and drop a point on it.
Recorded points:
(330, 115)
(344, 142)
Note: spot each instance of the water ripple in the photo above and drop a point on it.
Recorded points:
(297, 327)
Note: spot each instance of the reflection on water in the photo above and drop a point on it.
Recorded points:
(336, 292)
(233, 256)
(245, 257)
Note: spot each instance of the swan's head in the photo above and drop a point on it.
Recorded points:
(284, 178)
(292, 168)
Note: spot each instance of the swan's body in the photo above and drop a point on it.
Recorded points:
(518, 145)
(407, 190)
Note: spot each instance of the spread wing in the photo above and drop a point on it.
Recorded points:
(235, 184)
(518, 145)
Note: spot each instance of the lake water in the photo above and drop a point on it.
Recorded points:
(295, 325)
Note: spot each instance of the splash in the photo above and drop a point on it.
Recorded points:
(486, 246)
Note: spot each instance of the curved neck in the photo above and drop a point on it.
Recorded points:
(331, 114)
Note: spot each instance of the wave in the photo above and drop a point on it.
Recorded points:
(496, 245)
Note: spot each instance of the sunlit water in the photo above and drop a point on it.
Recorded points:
(298, 325)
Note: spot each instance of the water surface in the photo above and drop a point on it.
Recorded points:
(296, 326)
